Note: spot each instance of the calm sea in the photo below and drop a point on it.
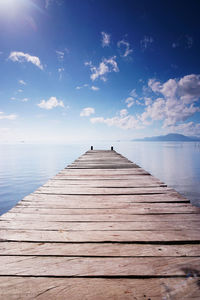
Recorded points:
(23, 168)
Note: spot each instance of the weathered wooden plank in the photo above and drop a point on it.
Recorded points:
(99, 171)
(129, 210)
(119, 226)
(102, 166)
(103, 191)
(95, 160)
(102, 183)
(101, 200)
(103, 173)
(99, 236)
(128, 179)
(100, 217)
(98, 249)
(114, 176)
(13, 288)
(94, 266)
(91, 204)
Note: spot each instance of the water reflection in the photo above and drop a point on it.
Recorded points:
(175, 163)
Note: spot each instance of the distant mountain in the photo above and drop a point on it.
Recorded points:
(171, 137)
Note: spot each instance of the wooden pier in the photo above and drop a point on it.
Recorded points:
(102, 228)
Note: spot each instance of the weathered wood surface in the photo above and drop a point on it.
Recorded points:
(43, 288)
(102, 228)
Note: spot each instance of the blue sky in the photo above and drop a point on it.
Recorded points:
(87, 70)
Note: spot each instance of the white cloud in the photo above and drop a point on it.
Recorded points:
(20, 91)
(13, 98)
(190, 128)
(7, 117)
(94, 88)
(125, 47)
(132, 99)
(154, 85)
(123, 112)
(105, 39)
(105, 66)
(146, 42)
(60, 55)
(133, 93)
(25, 57)
(25, 100)
(177, 103)
(129, 101)
(189, 87)
(51, 103)
(172, 103)
(60, 71)
(87, 111)
(22, 82)
(122, 121)
(147, 101)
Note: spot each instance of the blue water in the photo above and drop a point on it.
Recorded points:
(23, 168)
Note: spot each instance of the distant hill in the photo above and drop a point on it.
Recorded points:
(171, 137)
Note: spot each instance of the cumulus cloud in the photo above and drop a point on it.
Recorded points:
(189, 128)
(87, 111)
(123, 112)
(146, 42)
(132, 99)
(22, 82)
(124, 46)
(177, 101)
(94, 88)
(7, 117)
(133, 93)
(51, 103)
(105, 39)
(106, 66)
(129, 101)
(172, 103)
(25, 57)
(122, 121)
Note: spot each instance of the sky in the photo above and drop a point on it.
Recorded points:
(83, 70)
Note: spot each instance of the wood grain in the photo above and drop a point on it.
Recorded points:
(102, 228)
